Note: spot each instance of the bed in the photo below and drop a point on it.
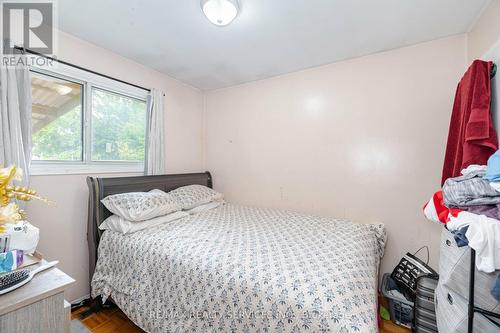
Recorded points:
(235, 268)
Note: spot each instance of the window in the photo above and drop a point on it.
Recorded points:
(82, 123)
(56, 119)
(118, 127)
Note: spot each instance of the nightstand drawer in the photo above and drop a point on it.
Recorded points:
(45, 316)
(38, 306)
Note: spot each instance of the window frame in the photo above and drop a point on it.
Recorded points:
(86, 165)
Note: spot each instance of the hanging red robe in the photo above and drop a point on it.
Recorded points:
(472, 137)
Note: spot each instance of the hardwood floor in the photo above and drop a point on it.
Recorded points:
(389, 327)
(114, 321)
(107, 321)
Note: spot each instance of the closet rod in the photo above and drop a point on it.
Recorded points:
(24, 50)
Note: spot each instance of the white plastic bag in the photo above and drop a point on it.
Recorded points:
(23, 236)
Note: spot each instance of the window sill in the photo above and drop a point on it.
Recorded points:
(61, 168)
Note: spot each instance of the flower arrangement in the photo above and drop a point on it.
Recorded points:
(9, 211)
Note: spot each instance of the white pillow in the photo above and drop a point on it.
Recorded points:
(119, 224)
(204, 207)
(141, 206)
(194, 195)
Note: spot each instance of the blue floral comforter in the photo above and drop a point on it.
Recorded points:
(242, 269)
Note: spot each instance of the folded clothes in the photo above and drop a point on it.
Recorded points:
(473, 168)
(492, 211)
(469, 190)
(495, 185)
(493, 168)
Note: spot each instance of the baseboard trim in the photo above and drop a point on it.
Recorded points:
(80, 299)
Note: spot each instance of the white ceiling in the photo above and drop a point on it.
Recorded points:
(268, 38)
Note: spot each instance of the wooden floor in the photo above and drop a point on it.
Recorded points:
(389, 327)
(114, 321)
(107, 321)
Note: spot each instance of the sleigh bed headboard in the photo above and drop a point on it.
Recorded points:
(99, 188)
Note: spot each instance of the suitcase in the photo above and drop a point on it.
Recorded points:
(425, 312)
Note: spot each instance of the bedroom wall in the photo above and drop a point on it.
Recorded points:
(484, 43)
(63, 228)
(348, 139)
(361, 139)
(485, 32)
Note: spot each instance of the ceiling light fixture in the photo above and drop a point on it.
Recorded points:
(220, 12)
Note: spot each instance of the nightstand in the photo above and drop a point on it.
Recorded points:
(38, 306)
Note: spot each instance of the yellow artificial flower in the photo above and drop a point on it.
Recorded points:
(10, 214)
(6, 176)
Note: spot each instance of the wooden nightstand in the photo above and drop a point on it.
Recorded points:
(38, 306)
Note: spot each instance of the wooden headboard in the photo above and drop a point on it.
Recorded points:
(99, 188)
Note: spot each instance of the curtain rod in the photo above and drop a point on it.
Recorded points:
(23, 50)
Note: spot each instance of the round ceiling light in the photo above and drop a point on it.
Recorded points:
(220, 12)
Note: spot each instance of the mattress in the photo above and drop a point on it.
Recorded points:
(244, 269)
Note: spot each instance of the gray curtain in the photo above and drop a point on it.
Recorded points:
(155, 137)
(15, 117)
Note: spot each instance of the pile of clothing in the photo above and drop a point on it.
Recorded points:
(469, 206)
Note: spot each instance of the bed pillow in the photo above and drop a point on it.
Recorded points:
(141, 206)
(204, 207)
(192, 196)
(121, 225)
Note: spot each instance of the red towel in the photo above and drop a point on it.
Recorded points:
(472, 138)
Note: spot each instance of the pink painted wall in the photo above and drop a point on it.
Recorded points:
(361, 139)
(63, 228)
(485, 32)
(483, 42)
